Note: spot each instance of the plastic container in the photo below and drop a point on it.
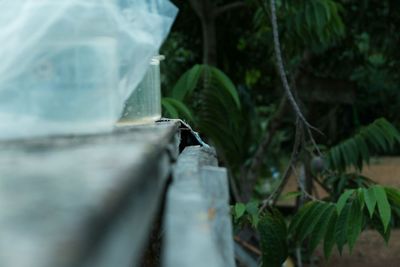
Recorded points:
(67, 78)
(74, 78)
(144, 105)
(68, 66)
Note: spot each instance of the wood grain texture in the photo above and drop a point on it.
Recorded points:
(198, 229)
(83, 200)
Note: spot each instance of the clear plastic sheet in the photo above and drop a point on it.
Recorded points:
(67, 66)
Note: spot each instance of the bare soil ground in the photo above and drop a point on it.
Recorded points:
(370, 250)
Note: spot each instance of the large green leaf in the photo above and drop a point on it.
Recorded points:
(187, 82)
(330, 239)
(393, 195)
(226, 84)
(299, 217)
(321, 227)
(383, 205)
(169, 109)
(370, 200)
(341, 227)
(379, 136)
(343, 200)
(177, 109)
(239, 209)
(355, 223)
(311, 220)
(252, 209)
(389, 128)
(215, 110)
(376, 224)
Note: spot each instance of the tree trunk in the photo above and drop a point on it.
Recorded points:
(209, 41)
(208, 11)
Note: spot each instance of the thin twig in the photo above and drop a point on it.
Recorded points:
(310, 135)
(248, 246)
(302, 189)
(281, 67)
(292, 100)
(284, 79)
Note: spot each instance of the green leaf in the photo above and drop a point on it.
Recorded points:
(347, 154)
(363, 150)
(383, 206)
(379, 136)
(321, 227)
(273, 240)
(299, 217)
(341, 227)
(370, 200)
(240, 209)
(376, 223)
(178, 106)
(343, 199)
(393, 195)
(360, 197)
(342, 183)
(169, 109)
(311, 220)
(328, 9)
(329, 240)
(226, 84)
(389, 128)
(355, 223)
(187, 82)
(252, 209)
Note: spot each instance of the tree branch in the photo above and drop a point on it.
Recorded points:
(197, 7)
(228, 7)
(307, 195)
(281, 67)
(250, 176)
(247, 246)
(293, 160)
(284, 79)
(252, 173)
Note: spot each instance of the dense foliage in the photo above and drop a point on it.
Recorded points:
(342, 59)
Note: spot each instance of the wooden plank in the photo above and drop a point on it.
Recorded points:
(82, 201)
(214, 182)
(197, 224)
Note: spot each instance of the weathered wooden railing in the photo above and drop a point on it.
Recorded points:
(91, 201)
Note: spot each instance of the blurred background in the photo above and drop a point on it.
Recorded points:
(342, 60)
